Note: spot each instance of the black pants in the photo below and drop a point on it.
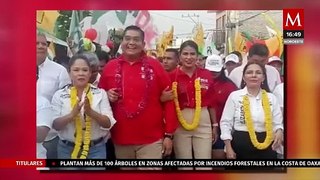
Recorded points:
(244, 150)
(110, 153)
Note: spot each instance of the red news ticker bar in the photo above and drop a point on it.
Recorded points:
(10, 163)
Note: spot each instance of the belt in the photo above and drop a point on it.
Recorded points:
(92, 142)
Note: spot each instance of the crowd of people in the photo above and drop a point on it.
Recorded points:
(135, 107)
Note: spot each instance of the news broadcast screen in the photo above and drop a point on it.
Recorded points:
(137, 90)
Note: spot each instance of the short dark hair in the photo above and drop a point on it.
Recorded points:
(189, 43)
(78, 56)
(134, 28)
(103, 56)
(173, 50)
(259, 49)
(264, 85)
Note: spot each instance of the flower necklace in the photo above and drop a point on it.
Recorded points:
(197, 113)
(147, 73)
(268, 121)
(78, 125)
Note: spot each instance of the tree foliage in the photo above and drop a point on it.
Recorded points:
(62, 24)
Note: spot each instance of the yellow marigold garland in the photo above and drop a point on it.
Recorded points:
(268, 122)
(197, 113)
(78, 125)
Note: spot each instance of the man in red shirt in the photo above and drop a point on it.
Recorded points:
(134, 83)
(171, 59)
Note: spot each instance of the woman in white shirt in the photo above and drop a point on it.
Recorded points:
(82, 115)
(251, 123)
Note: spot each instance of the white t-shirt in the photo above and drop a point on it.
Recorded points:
(52, 77)
(44, 118)
(278, 92)
(273, 76)
(233, 115)
(62, 106)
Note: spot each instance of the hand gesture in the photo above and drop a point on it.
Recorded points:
(87, 106)
(167, 95)
(113, 94)
(76, 109)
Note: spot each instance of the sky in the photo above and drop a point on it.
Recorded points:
(182, 21)
(183, 25)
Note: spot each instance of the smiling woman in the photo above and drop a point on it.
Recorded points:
(197, 131)
(254, 77)
(80, 72)
(82, 114)
(251, 123)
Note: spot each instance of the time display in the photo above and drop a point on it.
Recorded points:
(293, 34)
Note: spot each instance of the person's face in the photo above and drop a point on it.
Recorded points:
(230, 66)
(132, 44)
(80, 73)
(101, 66)
(42, 47)
(188, 57)
(94, 73)
(201, 61)
(170, 61)
(253, 76)
(258, 59)
(277, 65)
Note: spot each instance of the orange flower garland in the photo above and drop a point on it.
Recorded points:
(268, 122)
(78, 125)
(197, 113)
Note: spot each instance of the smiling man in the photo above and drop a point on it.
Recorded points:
(134, 83)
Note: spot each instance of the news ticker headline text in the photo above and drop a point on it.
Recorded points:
(184, 163)
(294, 163)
